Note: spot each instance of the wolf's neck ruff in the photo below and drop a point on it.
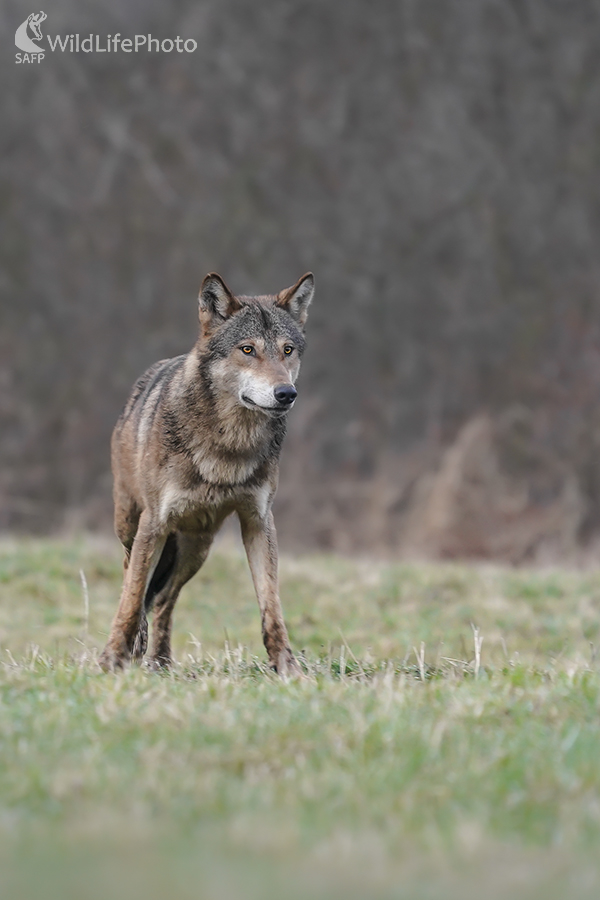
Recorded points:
(226, 442)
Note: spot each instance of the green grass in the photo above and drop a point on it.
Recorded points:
(401, 766)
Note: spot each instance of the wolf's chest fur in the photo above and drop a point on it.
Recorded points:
(206, 488)
(220, 463)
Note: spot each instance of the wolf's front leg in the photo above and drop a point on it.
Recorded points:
(125, 628)
(260, 541)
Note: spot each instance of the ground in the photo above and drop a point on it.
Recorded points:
(444, 743)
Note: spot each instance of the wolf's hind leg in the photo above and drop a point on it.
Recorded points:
(190, 552)
(126, 520)
(160, 577)
(140, 643)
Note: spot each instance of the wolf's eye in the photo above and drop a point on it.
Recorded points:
(247, 349)
(287, 350)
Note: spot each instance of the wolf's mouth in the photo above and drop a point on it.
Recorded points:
(269, 410)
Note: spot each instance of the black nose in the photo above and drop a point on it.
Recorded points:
(285, 393)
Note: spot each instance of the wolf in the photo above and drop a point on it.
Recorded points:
(198, 440)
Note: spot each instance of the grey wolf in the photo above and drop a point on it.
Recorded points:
(198, 440)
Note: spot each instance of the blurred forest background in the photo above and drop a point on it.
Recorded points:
(435, 164)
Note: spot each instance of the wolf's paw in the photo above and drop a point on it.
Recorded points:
(112, 660)
(287, 666)
(159, 663)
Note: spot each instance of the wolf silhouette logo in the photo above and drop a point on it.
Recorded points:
(30, 26)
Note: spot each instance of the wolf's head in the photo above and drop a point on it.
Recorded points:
(253, 345)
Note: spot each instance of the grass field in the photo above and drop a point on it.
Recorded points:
(445, 742)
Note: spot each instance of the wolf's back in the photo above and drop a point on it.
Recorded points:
(149, 388)
(134, 426)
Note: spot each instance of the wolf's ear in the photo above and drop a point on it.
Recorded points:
(296, 299)
(215, 302)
